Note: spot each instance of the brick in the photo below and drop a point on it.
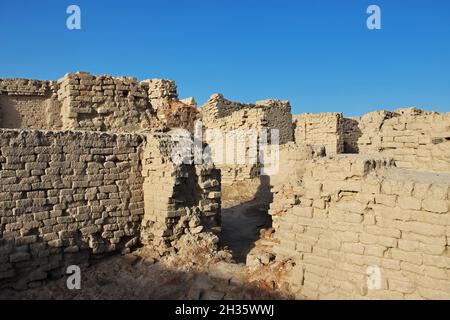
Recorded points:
(409, 203)
(411, 257)
(19, 257)
(387, 200)
(353, 248)
(306, 212)
(437, 206)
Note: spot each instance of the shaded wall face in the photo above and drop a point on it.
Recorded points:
(28, 104)
(280, 118)
(68, 195)
(179, 198)
(103, 103)
(63, 197)
(350, 135)
(29, 112)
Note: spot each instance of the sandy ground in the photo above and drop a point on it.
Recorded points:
(195, 275)
(241, 223)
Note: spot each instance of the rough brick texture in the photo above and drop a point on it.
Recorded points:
(227, 117)
(354, 212)
(322, 129)
(414, 138)
(81, 101)
(179, 198)
(64, 196)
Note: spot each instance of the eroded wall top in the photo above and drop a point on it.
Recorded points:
(81, 101)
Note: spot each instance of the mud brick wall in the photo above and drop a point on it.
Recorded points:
(355, 212)
(63, 197)
(179, 198)
(416, 139)
(292, 162)
(29, 104)
(104, 103)
(322, 129)
(26, 87)
(81, 101)
(226, 116)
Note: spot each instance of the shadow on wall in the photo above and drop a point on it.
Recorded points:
(351, 135)
(139, 277)
(10, 118)
(241, 224)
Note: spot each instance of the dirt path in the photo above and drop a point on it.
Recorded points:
(241, 223)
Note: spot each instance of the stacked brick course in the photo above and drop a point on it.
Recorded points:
(414, 138)
(29, 104)
(179, 198)
(65, 195)
(104, 103)
(228, 117)
(353, 213)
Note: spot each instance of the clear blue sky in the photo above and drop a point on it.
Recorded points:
(317, 54)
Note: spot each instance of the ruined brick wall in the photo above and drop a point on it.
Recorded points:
(64, 196)
(355, 212)
(322, 129)
(29, 104)
(227, 117)
(81, 101)
(416, 139)
(180, 198)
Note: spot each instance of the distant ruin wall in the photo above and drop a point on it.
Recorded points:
(355, 214)
(64, 196)
(228, 117)
(415, 139)
(104, 103)
(81, 101)
(322, 129)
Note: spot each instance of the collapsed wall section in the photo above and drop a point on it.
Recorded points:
(104, 103)
(64, 196)
(180, 198)
(352, 217)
